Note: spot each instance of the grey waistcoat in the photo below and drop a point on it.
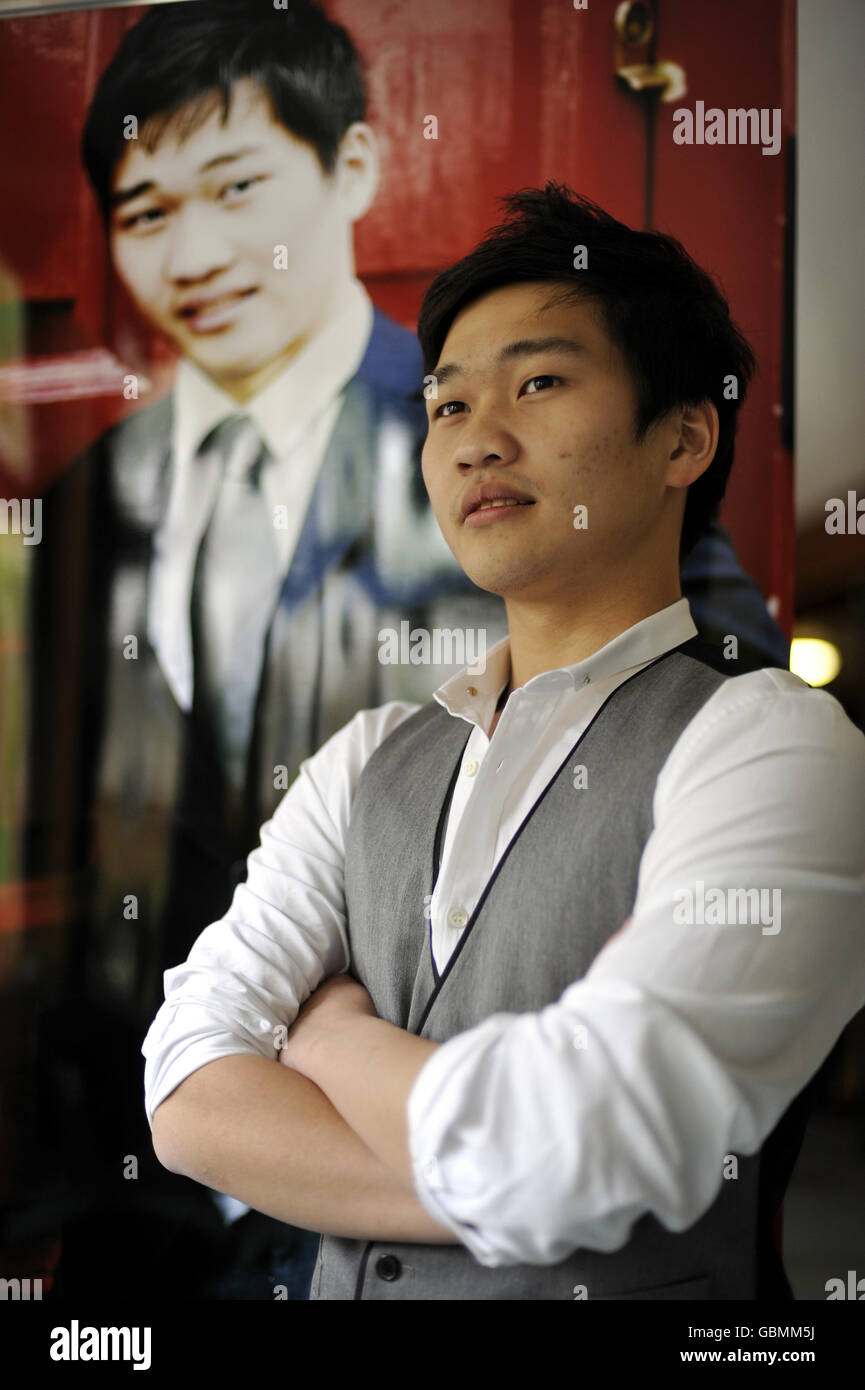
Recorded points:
(565, 884)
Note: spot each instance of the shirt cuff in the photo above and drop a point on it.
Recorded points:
(427, 1126)
(203, 1039)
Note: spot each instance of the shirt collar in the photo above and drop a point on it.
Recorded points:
(474, 697)
(289, 403)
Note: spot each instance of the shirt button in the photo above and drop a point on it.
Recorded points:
(586, 680)
(470, 767)
(388, 1268)
(458, 917)
(431, 1167)
(472, 689)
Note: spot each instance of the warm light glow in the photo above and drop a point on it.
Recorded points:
(814, 660)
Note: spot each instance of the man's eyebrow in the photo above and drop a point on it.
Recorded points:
(125, 195)
(523, 347)
(227, 158)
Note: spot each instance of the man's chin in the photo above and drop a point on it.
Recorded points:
(232, 370)
(224, 360)
(494, 581)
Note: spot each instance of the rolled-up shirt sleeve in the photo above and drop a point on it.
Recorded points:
(533, 1135)
(285, 930)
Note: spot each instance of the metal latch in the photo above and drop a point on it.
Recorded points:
(635, 63)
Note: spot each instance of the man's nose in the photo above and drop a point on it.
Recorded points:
(486, 438)
(196, 246)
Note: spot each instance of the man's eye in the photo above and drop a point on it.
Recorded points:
(445, 407)
(532, 380)
(140, 221)
(239, 188)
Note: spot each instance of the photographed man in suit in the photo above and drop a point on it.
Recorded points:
(246, 539)
(258, 527)
(551, 959)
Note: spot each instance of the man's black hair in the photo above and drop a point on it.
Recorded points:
(180, 60)
(667, 316)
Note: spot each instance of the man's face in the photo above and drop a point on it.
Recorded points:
(195, 246)
(535, 396)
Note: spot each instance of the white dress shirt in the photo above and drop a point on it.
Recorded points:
(295, 415)
(534, 1134)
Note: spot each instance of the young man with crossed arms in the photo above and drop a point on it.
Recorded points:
(511, 1066)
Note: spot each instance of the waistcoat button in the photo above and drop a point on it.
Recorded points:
(388, 1267)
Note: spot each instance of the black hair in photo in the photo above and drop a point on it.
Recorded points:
(181, 61)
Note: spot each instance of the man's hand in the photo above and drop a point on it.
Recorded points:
(339, 998)
(365, 1066)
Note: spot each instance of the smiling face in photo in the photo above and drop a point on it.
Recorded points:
(194, 231)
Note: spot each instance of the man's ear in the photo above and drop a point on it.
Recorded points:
(357, 169)
(696, 439)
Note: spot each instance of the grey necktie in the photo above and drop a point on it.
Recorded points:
(234, 593)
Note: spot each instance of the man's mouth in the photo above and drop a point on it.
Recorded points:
(489, 499)
(208, 315)
(490, 512)
(500, 502)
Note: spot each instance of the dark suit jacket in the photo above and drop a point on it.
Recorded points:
(126, 798)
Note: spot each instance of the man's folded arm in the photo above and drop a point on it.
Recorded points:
(249, 1127)
(229, 1115)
